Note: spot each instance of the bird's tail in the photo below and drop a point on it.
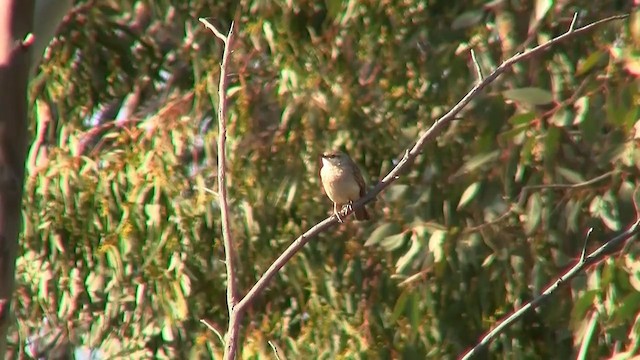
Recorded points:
(361, 214)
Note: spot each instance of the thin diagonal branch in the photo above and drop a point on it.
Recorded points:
(440, 124)
(607, 249)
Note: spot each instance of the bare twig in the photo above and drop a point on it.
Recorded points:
(215, 31)
(233, 332)
(479, 75)
(573, 22)
(213, 329)
(583, 255)
(275, 350)
(608, 248)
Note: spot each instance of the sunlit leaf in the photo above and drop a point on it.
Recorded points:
(529, 95)
(469, 195)
(533, 213)
(467, 19)
(477, 162)
(406, 260)
(382, 231)
(561, 118)
(436, 245)
(595, 58)
(393, 242)
(542, 7)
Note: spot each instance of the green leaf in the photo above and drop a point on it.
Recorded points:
(542, 7)
(436, 245)
(489, 260)
(534, 214)
(179, 307)
(609, 213)
(477, 162)
(381, 232)
(582, 109)
(582, 304)
(561, 118)
(592, 60)
(408, 258)
(529, 95)
(469, 194)
(467, 19)
(415, 317)
(114, 259)
(154, 218)
(571, 176)
(400, 306)
(572, 211)
(551, 144)
(522, 118)
(432, 226)
(334, 8)
(393, 242)
(395, 192)
(628, 308)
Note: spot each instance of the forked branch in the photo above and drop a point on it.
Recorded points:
(229, 250)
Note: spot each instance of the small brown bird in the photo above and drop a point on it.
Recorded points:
(343, 182)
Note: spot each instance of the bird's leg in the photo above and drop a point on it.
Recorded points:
(346, 208)
(350, 206)
(335, 212)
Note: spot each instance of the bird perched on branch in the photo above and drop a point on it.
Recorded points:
(343, 182)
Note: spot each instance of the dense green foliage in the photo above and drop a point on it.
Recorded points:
(122, 247)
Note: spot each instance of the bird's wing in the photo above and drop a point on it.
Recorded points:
(359, 179)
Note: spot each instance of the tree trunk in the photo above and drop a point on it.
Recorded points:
(16, 18)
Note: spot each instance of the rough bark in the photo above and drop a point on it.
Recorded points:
(16, 17)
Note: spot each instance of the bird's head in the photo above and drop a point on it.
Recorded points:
(334, 158)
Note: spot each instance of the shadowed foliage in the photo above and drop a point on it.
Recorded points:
(121, 249)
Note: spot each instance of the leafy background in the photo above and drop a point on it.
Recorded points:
(122, 251)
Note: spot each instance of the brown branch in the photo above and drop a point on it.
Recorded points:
(581, 185)
(233, 332)
(16, 20)
(607, 249)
